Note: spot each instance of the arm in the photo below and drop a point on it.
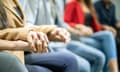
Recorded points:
(68, 14)
(14, 45)
(53, 32)
(30, 10)
(14, 34)
(95, 25)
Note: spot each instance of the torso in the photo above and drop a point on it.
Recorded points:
(88, 16)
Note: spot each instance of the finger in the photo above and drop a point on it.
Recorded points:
(66, 32)
(30, 41)
(62, 37)
(39, 46)
(46, 39)
(43, 40)
(35, 40)
(45, 50)
(54, 32)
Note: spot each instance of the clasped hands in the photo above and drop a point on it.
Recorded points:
(37, 42)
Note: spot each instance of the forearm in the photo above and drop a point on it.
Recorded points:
(12, 45)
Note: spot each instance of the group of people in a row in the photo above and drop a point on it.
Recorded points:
(57, 36)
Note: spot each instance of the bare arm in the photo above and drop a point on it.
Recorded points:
(14, 45)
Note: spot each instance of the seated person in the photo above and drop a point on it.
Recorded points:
(106, 13)
(41, 13)
(80, 15)
(12, 28)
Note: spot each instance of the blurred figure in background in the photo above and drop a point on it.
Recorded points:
(106, 12)
(81, 15)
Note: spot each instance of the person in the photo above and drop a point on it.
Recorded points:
(11, 63)
(80, 15)
(106, 13)
(30, 39)
(105, 10)
(40, 14)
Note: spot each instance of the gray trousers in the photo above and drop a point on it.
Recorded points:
(10, 63)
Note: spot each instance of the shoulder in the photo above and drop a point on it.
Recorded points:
(112, 5)
(98, 3)
(72, 3)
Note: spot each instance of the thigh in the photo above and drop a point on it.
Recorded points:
(102, 35)
(57, 46)
(35, 68)
(11, 63)
(91, 42)
(58, 59)
(88, 52)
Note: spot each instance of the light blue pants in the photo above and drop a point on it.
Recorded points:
(84, 55)
(10, 63)
(105, 42)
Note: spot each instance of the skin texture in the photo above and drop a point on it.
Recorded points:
(59, 34)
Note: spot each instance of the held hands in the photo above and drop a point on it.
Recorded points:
(82, 30)
(38, 42)
(59, 34)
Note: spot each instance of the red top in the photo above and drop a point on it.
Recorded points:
(74, 15)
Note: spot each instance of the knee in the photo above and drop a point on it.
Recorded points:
(100, 58)
(84, 66)
(108, 34)
(32, 68)
(70, 60)
(69, 57)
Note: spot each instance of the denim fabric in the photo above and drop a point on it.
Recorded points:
(105, 42)
(63, 60)
(84, 54)
(94, 56)
(35, 68)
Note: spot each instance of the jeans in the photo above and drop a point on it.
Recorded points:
(10, 63)
(105, 42)
(64, 62)
(84, 54)
(35, 68)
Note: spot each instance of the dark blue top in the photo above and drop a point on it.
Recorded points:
(106, 16)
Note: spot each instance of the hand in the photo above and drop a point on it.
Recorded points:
(109, 28)
(118, 25)
(59, 34)
(105, 27)
(113, 31)
(38, 41)
(86, 31)
(79, 26)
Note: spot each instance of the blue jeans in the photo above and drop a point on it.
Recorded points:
(84, 54)
(10, 63)
(63, 61)
(105, 42)
(35, 68)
